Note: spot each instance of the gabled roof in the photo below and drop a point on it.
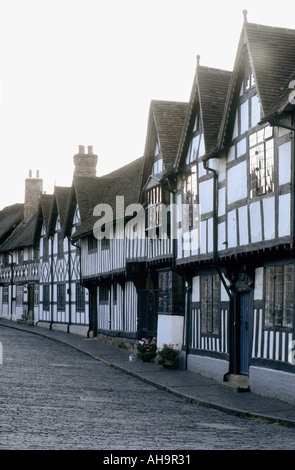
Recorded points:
(22, 237)
(43, 213)
(126, 181)
(58, 207)
(10, 218)
(165, 123)
(208, 96)
(272, 58)
(271, 52)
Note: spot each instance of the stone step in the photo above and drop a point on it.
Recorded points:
(237, 383)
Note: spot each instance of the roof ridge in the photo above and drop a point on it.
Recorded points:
(259, 26)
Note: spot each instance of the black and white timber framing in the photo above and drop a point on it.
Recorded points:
(220, 282)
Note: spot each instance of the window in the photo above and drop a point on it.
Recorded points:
(80, 297)
(279, 295)
(103, 294)
(92, 243)
(190, 198)
(153, 199)
(5, 295)
(261, 150)
(46, 297)
(19, 296)
(210, 303)
(61, 296)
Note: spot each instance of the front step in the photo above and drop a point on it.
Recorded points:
(237, 383)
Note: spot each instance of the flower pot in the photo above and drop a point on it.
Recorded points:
(147, 358)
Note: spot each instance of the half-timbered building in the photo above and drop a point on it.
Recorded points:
(192, 243)
(110, 249)
(240, 315)
(162, 296)
(20, 257)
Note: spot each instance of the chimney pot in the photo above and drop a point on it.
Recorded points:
(81, 149)
(90, 149)
(30, 173)
(37, 173)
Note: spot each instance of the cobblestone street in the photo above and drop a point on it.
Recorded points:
(54, 397)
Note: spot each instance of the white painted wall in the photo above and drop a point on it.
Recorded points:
(237, 182)
(170, 330)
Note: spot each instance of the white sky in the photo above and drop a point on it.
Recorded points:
(83, 72)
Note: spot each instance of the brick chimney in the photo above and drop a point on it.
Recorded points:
(85, 163)
(33, 191)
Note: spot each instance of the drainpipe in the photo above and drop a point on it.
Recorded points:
(11, 284)
(51, 286)
(215, 227)
(70, 286)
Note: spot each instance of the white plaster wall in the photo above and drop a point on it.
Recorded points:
(237, 182)
(207, 366)
(243, 225)
(170, 330)
(196, 289)
(232, 229)
(221, 202)
(284, 215)
(255, 222)
(269, 217)
(258, 289)
(221, 236)
(272, 383)
(285, 163)
(206, 196)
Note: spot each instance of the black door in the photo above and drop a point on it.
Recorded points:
(149, 313)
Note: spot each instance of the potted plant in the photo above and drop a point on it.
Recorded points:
(147, 349)
(168, 356)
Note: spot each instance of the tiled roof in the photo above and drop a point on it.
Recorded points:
(10, 218)
(165, 122)
(208, 95)
(272, 54)
(90, 191)
(22, 237)
(58, 206)
(169, 118)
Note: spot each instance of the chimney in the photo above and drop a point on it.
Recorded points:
(33, 191)
(85, 163)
